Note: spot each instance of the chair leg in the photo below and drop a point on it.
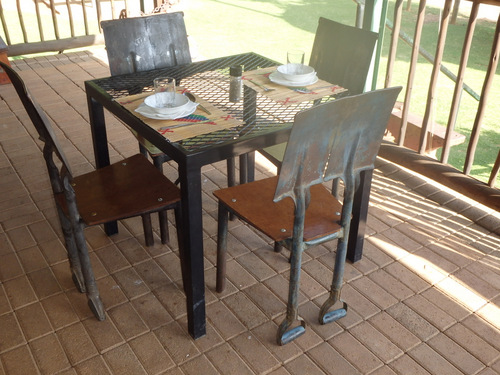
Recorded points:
(180, 241)
(94, 300)
(231, 172)
(162, 217)
(158, 162)
(71, 248)
(231, 177)
(221, 247)
(148, 229)
(277, 247)
(334, 297)
(335, 187)
(143, 150)
(287, 333)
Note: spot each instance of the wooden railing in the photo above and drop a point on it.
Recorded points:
(426, 127)
(64, 33)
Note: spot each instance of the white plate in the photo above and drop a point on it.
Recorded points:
(277, 78)
(149, 112)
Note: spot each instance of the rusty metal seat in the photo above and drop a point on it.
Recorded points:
(131, 187)
(338, 139)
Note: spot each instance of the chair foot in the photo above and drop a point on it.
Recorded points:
(326, 316)
(78, 280)
(277, 247)
(148, 230)
(287, 334)
(165, 237)
(97, 307)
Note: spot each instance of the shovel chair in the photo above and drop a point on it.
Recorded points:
(342, 55)
(131, 187)
(145, 43)
(338, 139)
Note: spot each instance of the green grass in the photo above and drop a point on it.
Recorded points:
(271, 27)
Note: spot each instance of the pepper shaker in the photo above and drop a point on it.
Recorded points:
(235, 84)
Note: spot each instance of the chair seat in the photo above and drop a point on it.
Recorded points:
(253, 202)
(128, 188)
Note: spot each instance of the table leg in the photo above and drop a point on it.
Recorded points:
(192, 235)
(100, 143)
(247, 161)
(251, 166)
(359, 216)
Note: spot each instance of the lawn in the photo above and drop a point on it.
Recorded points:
(271, 27)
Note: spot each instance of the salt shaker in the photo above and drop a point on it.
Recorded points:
(235, 84)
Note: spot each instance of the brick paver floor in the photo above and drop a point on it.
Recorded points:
(425, 298)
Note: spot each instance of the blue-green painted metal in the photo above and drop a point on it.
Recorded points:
(335, 140)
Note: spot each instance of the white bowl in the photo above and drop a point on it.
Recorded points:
(297, 73)
(180, 102)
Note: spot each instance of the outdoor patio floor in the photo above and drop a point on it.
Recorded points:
(425, 298)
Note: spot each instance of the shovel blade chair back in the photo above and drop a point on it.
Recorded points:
(342, 55)
(338, 139)
(146, 43)
(131, 187)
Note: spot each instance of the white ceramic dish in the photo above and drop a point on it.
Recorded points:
(296, 73)
(152, 113)
(277, 78)
(180, 102)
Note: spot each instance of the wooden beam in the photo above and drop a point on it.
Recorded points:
(442, 173)
(55, 45)
(489, 2)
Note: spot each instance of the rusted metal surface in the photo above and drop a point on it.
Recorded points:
(145, 43)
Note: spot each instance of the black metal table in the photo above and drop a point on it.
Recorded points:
(265, 123)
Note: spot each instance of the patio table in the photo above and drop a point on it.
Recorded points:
(259, 121)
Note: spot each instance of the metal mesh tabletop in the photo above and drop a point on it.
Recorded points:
(210, 80)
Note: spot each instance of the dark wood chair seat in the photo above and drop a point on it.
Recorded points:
(125, 189)
(254, 204)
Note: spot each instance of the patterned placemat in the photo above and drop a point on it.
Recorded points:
(286, 95)
(195, 124)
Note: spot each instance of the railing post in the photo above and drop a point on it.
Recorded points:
(398, 10)
(490, 74)
(434, 76)
(457, 94)
(374, 20)
(413, 68)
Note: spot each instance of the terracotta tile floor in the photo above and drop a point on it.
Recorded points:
(425, 298)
